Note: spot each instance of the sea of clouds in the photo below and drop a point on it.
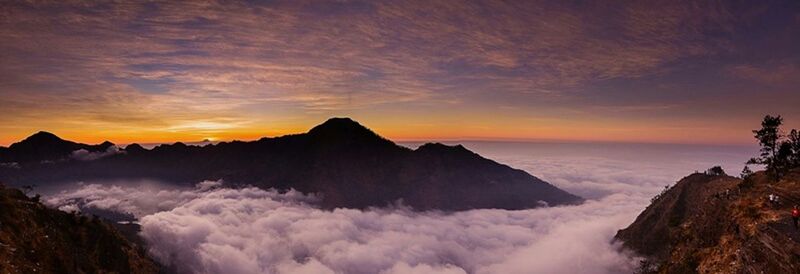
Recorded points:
(85, 155)
(214, 229)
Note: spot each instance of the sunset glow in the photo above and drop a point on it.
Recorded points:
(399, 136)
(176, 71)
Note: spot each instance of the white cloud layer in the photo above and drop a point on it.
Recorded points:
(213, 229)
(250, 230)
(85, 155)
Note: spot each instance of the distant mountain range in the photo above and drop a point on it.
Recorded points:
(348, 164)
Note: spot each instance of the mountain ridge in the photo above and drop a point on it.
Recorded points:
(349, 164)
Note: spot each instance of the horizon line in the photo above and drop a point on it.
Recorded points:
(418, 140)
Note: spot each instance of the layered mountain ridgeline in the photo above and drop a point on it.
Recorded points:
(347, 163)
(719, 224)
(37, 239)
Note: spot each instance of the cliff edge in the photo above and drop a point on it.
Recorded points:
(719, 224)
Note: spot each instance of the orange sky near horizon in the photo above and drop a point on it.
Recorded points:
(425, 132)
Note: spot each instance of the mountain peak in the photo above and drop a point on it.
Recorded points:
(339, 122)
(134, 148)
(105, 145)
(40, 147)
(41, 138)
(43, 135)
(341, 126)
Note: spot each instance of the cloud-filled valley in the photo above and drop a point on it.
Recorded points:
(215, 229)
(250, 230)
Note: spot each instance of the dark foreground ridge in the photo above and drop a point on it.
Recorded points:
(347, 163)
(37, 239)
(719, 224)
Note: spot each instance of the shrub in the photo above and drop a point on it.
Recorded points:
(716, 171)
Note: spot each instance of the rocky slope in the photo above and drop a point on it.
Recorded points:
(37, 239)
(719, 224)
(347, 163)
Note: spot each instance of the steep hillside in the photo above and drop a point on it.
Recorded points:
(347, 163)
(719, 224)
(37, 239)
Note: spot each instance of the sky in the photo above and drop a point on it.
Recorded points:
(620, 71)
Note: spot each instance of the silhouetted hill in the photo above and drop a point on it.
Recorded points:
(45, 147)
(341, 159)
(37, 239)
(696, 228)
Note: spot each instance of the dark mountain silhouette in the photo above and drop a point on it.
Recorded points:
(348, 164)
(44, 147)
(719, 224)
(38, 239)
